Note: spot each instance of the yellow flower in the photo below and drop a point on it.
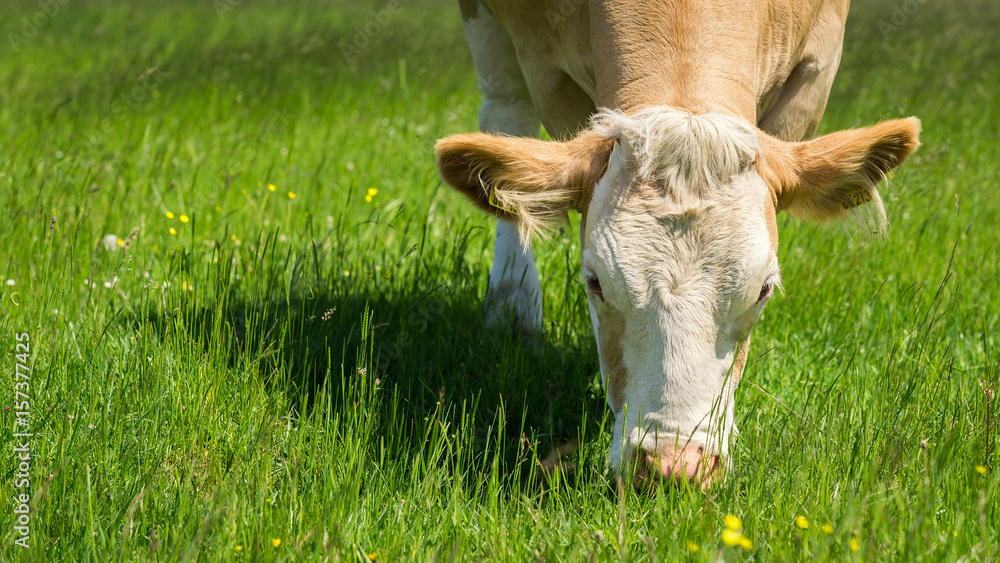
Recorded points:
(271, 187)
(731, 536)
(828, 528)
(239, 548)
(372, 556)
(368, 198)
(218, 208)
(291, 195)
(121, 242)
(170, 215)
(372, 191)
(347, 273)
(693, 547)
(184, 218)
(276, 542)
(173, 231)
(981, 470)
(736, 538)
(801, 522)
(733, 522)
(854, 544)
(954, 533)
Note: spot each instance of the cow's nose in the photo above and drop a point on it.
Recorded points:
(675, 465)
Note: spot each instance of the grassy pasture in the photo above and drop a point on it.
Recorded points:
(289, 360)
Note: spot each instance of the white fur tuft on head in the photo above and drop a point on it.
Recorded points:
(688, 151)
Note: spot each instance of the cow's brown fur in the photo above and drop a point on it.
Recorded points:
(614, 358)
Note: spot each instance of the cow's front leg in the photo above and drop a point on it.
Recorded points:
(515, 292)
(514, 298)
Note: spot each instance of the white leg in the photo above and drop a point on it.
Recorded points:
(515, 293)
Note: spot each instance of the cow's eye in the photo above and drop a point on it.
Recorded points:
(765, 291)
(594, 286)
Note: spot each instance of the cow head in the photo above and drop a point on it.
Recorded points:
(678, 243)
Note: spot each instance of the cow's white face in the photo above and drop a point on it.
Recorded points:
(678, 240)
(678, 264)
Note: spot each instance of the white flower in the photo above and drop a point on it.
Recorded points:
(10, 282)
(110, 242)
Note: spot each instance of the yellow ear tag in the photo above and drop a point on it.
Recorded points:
(495, 203)
(856, 197)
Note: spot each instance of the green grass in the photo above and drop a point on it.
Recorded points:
(318, 372)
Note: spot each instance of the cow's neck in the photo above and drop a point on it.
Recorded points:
(699, 56)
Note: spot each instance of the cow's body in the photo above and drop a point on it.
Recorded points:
(699, 99)
(545, 62)
(771, 62)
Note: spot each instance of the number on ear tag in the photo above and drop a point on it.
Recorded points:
(856, 197)
(495, 203)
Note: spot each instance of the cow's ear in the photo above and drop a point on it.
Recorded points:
(526, 181)
(822, 178)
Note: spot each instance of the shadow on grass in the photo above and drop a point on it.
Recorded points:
(427, 347)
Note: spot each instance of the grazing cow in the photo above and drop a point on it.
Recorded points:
(681, 127)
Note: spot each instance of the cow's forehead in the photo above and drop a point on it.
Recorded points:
(651, 215)
(680, 207)
(641, 243)
(670, 165)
